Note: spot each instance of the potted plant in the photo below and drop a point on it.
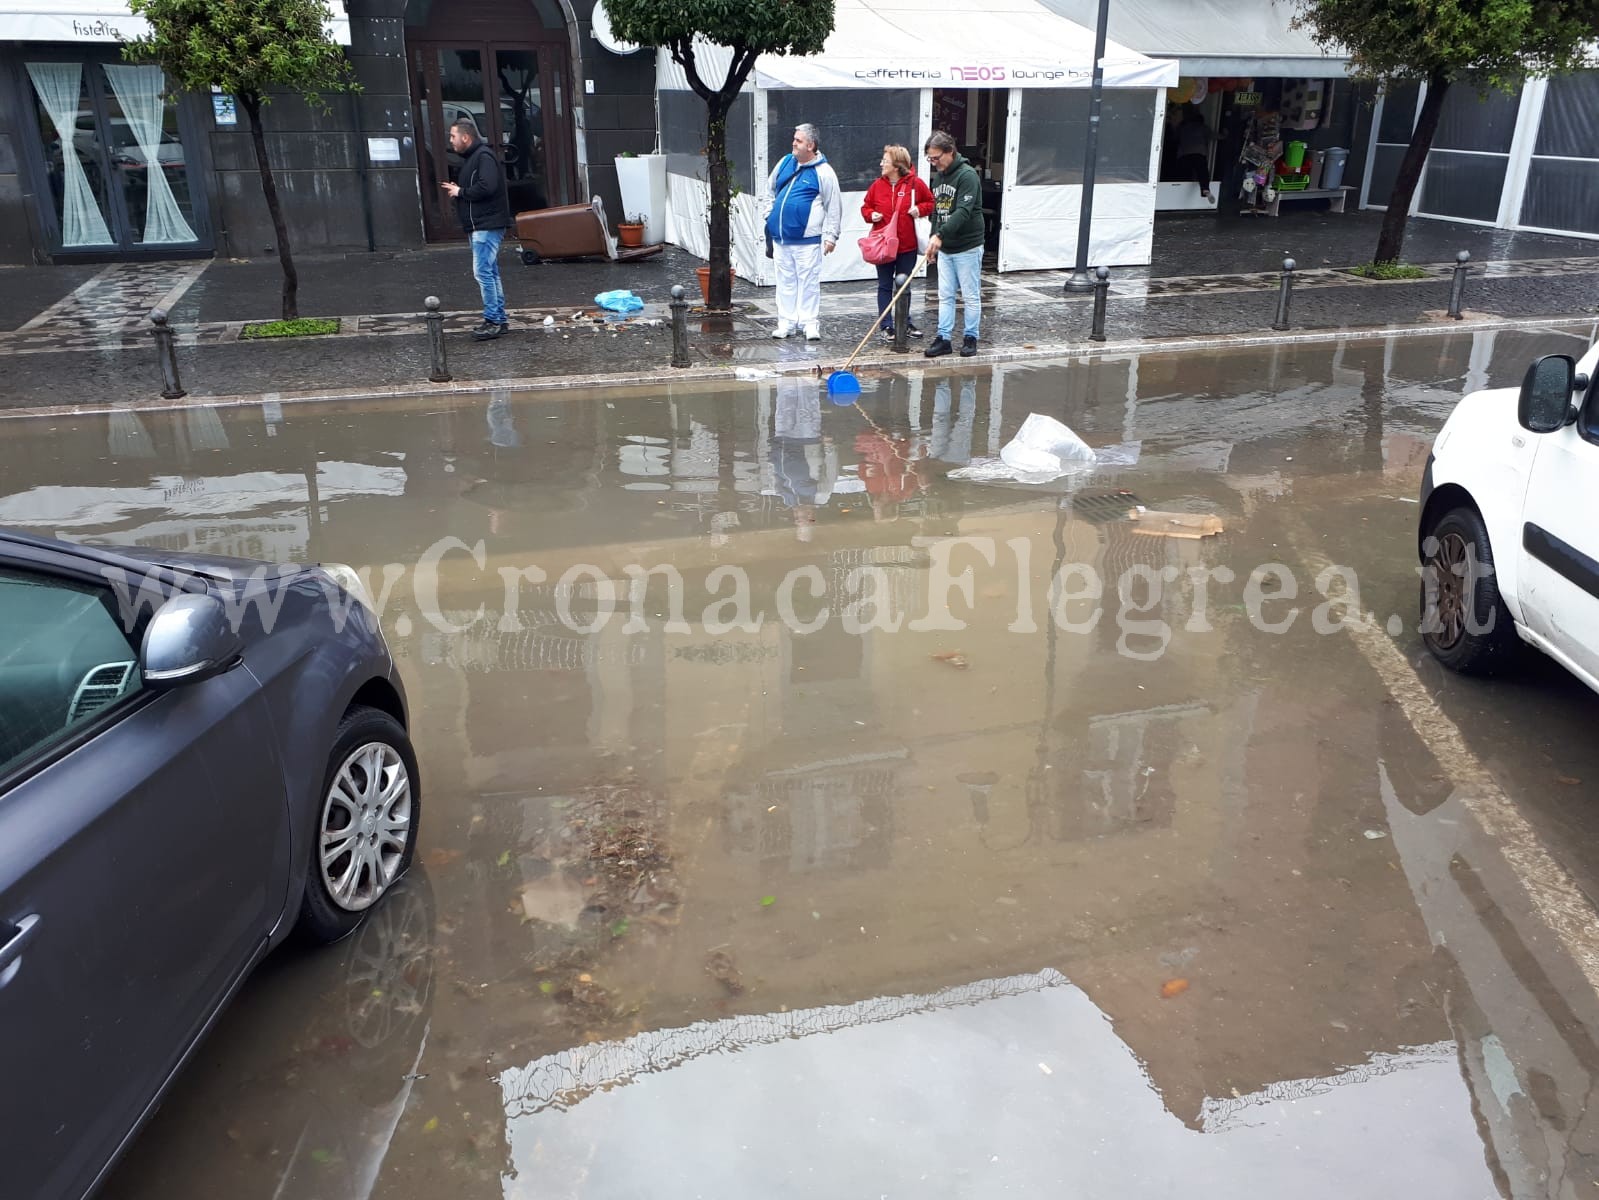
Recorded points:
(641, 180)
(631, 231)
(703, 274)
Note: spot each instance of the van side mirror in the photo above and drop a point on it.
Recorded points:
(1545, 404)
(189, 639)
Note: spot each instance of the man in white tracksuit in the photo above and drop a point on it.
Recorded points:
(807, 214)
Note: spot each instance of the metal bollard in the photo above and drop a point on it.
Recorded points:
(1101, 298)
(1285, 292)
(167, 352)
(902, 315)
(1457, 288)
(440, 372)
(679, 306)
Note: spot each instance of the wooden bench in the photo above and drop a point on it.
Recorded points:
(1335, 196)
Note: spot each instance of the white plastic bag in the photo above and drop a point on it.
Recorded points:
(924, 233)
(1043, 446)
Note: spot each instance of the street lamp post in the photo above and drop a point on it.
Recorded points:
(1080, 280)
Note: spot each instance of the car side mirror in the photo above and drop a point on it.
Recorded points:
(188, 640)
(1545, 404)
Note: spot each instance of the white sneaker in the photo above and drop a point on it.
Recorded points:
(813, 332)
(783, 329)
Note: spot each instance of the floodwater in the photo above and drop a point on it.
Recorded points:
(845, 905)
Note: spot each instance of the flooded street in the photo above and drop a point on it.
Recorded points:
(787, 835)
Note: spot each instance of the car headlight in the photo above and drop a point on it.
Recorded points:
(347, 579)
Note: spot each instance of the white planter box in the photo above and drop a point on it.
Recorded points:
(643, 183)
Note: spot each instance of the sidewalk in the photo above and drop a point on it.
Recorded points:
(79, 335)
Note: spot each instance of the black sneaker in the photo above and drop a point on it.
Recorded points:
(937, 348)
(888, 334)
(914, 332)
(968, 346)
(490, 330)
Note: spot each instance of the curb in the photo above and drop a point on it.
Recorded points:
(878, 360)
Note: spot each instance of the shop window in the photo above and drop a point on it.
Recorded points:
(1472, 121)
(855, 126)
(1563, 177)
(1054, 136)
(1568, 112)
(1466, 168)
(1463, 186)
(683, 136)
(1398, 114)
(1560, 195)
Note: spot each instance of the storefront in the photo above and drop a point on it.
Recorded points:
(1523, 160)
(114, 158)
(105, 161)
(98, 162)
(1246, 69)
(1017, 98)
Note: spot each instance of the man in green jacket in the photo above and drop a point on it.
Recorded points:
(957, 243)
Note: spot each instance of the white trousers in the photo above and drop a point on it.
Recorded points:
(799, 282)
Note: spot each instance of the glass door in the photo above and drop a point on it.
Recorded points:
(515, 96)
(118, 176)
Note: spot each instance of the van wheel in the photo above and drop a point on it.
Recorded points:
(1464, 621)
(366, 824)
(530, 257)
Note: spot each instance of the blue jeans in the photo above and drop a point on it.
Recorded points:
(964, 270)
(486, 270)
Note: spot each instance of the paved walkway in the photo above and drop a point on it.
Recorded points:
(80, 335)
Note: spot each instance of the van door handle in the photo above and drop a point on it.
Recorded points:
(16, 937)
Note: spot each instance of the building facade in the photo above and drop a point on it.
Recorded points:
(153, 175)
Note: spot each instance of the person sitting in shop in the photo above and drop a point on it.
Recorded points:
(1194, 140)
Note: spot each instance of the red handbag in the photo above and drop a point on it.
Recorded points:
(881, 246)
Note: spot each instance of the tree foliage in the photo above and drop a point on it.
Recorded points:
(1479, 43)
(248, 48)
(243, 46)
(1497, 43)
(748, 28)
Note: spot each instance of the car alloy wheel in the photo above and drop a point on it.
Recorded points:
(1464, 621)
(366, 826)
(1449, 565)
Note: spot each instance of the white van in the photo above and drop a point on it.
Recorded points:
(1509, 531)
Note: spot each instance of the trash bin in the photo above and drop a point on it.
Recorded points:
(1318, 168)
(1333, 174)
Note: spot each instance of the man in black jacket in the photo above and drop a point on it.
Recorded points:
(485, 213)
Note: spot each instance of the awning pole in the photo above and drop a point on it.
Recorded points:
(1079, 281)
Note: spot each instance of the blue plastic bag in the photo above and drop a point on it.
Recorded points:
(619, 301)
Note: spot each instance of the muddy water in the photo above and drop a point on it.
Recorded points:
(946, 895)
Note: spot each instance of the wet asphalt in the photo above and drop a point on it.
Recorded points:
(1160, 904)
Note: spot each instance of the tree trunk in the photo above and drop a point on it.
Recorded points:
(719, 295)
(1391, 241)
(291, 281)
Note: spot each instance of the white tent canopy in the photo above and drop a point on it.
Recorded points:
(900, 51)
(955, 43)
(1252, 38)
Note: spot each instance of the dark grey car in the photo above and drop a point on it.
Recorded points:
(197, 756)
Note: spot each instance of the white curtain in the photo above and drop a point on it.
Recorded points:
(139, 91)
(59, 86)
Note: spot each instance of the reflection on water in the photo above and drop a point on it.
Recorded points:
(667, 826)
(1014, 1086)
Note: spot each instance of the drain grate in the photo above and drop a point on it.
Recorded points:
(1102, 508)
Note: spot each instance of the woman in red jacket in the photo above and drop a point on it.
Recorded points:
(898, 195)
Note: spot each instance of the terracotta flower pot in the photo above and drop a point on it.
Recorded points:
(630, 234)
(704, 275)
